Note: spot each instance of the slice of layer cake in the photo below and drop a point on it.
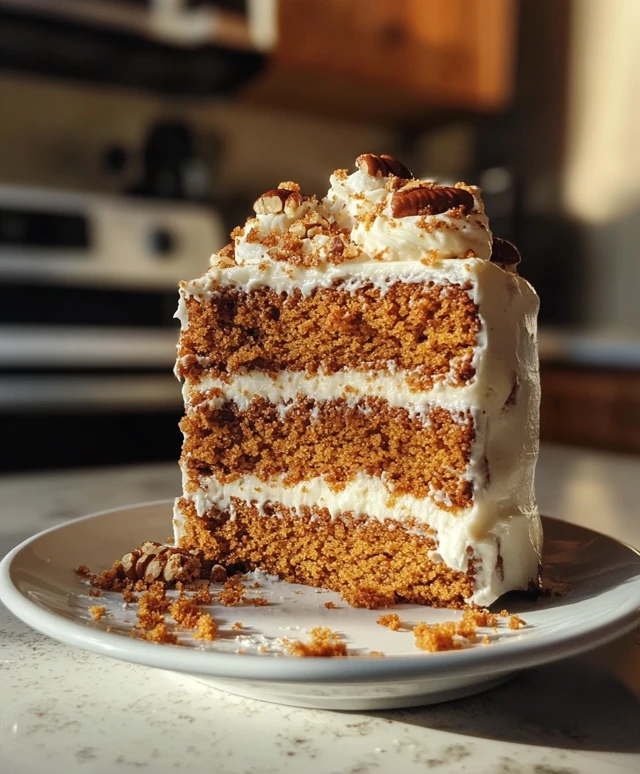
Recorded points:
(361, 395)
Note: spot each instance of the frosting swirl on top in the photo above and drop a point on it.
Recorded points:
(364, 204)
(370, 215)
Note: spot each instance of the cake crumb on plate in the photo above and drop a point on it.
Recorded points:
(390, 620)
(97, 611)
(324, 643)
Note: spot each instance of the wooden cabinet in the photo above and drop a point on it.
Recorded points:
(390, 58)
(591, 407)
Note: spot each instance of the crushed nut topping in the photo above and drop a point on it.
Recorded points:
(227, 257)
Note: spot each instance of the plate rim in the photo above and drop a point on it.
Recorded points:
(511, 656)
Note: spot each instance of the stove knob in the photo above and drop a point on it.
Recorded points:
(162, 243)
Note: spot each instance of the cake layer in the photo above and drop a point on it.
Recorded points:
(425, 455)
(492, 530)
(429, 331)
(370, 562)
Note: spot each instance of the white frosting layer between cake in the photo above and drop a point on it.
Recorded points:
(503, 396)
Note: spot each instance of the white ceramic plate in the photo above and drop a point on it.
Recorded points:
(599, 581)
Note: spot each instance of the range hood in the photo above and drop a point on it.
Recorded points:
(188, 47)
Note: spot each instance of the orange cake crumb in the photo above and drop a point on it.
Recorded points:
(203, 595)
(160, 634)
(206, 628)
(185, 612)
(442, 636)
(390, 620)
(83, 571)
(437, 637)
(237, 626)
(233, 592)
(324, 643)
(480, 617)
(368, 597)
(377, 654)
(97, 611)
(128, 595)
(331, 606)
(152, 606)
(504, 614)
(472, 618)
(112, 579)
(95, 592)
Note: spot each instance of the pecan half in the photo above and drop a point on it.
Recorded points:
(504, 254)
(429, 199)
(382, 165)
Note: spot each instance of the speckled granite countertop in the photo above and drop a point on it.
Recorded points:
(65, 710)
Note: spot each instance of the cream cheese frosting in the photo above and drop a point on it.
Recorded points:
(360, 206)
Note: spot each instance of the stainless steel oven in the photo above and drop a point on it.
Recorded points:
(87, 336)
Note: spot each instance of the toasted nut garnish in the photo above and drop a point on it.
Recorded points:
(505, 254)
(279, 200)
(272, 201)
(293, 201)
(311, 225)
(154, 561)
(298, 229)
(382, 165)
(429, 199)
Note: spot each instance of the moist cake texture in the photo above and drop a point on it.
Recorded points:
(361, 395)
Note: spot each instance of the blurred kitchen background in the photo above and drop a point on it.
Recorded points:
(136, 133)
